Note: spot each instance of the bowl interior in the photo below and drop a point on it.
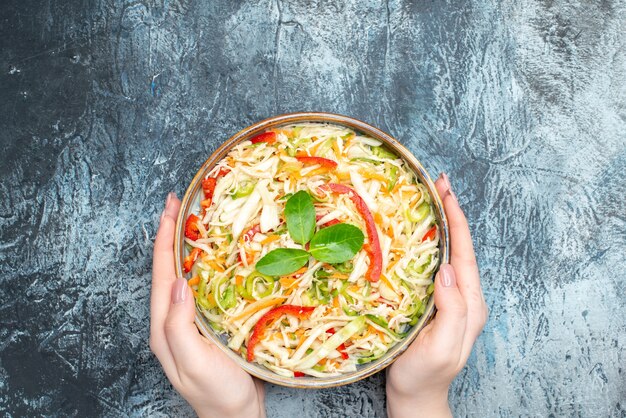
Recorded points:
(191, 202)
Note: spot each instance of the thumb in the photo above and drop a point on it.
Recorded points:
(180, 330)
(449, 324)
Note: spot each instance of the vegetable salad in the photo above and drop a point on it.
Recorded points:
(313, 249)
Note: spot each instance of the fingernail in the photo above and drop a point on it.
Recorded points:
(170, 196)
(446, 182)
(447, 276)
(179, 291)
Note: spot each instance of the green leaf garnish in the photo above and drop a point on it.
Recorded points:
(300, 217)
(337, 243)
(282, 261)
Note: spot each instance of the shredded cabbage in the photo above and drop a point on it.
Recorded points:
(355, 321)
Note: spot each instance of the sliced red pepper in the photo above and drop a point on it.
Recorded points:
(298, 374)
(191, 227)
(341, 348)
(190, 259)
(267, 320)
(329, 223)
(374, 252)
(430, 234)
(208, 187)
(324, 162)
(268, 137)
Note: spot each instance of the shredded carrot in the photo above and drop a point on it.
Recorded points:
(194, 281)
(270, 238)
(368, 174)
(206, 203)
(378, 218)
(301, 339)
(336, 302)
(385, 280)
(287, 282)
(288, 291)
(342, 175)
(249, 257)
(215, 266)
(321, 170)
(337, 150)
(295, 176)
(338, 275)
(257, 306)
(239, 280)
(372, 330)
(408, 195)
(313, 150)
(300, 271)
(211, 299)
(390, 232)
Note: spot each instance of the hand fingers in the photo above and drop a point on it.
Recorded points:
(188, 347)
(162, 278)
(163, 273)
(197, 360)
(443, 187)
(163, 258)
(449, 325)
(461, 247)
(463, 259)
(181, 333)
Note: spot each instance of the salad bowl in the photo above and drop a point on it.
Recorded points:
(193, 199)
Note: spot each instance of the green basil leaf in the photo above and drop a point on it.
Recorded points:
(336, 243)
(300, 217)
(282, 261)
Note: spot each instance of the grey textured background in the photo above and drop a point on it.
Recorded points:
(107, 106)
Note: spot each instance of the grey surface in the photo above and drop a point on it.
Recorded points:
(105, 107)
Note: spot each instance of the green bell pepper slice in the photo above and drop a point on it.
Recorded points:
(393, 177)
(419, 214)
(383, 152)
(244, 189)
(256, 280)
(228, 299)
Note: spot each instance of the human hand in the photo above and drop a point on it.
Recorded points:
(418, 382)
(212, 383)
